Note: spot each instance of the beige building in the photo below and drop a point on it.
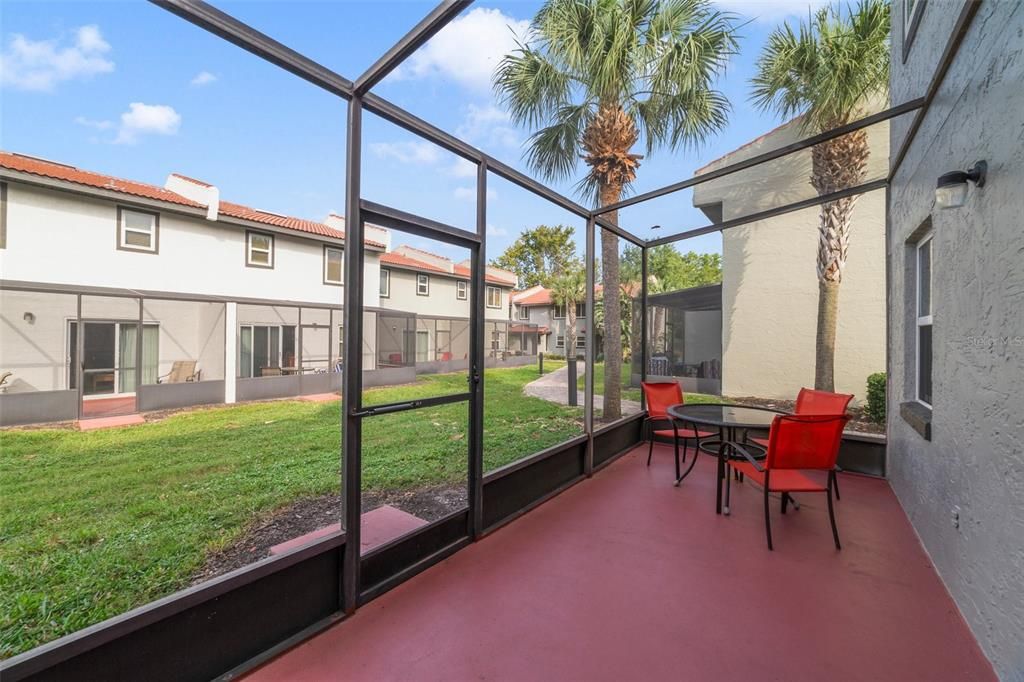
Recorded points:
(769, 281)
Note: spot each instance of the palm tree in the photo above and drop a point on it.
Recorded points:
(568, 288)
(827, 71)
(597, 75)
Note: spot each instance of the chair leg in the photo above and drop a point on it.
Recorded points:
(676, 439)
(835, 486)
(831, 512)
(767, 514)
(785, 501)
(650, 448)
(728, 493)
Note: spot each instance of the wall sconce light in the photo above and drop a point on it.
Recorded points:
(29, 317)
(951, 189)
(655, 227)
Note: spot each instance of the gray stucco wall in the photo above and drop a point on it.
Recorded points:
(974, 460)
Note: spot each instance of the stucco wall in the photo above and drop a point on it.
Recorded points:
(974, 459)
(769, 283)
(441, 301)
(60, 237)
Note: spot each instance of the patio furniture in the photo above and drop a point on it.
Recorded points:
(182, 371)
(728, 419)
(660, 396)
(271, 372)
(796, 444)
(814, 402)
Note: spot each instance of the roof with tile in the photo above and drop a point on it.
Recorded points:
(58, 171)
(401, 260)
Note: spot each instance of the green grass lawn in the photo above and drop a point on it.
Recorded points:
(95, 523)
(629, 393)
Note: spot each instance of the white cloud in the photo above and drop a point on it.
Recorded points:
(469, 193)
(407, 152)
(770, 11)
(89, 123)
(461, 168)
(202, 78)
(40, 65)
(488, 126)
(147, 119)
(496, 231)
(468, 49)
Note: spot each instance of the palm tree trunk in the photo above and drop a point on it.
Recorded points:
(836, 164)
(609, 194)
(825, 343)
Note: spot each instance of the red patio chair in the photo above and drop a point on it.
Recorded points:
(796, 444)
(812, 401)
(660, 396)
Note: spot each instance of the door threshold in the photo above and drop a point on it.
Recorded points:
(93, 423)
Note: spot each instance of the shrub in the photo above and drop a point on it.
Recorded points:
(875, 407)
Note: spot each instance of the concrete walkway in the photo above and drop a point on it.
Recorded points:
(554, 388)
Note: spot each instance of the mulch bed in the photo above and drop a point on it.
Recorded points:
(305, 516)
(858, 420)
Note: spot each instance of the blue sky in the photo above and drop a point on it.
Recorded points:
(128, 89)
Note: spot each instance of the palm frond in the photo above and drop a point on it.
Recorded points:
(828, 68)
(554, 150)
(530, 86)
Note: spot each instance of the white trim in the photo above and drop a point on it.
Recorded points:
(250, 249)
(424, 281)
(491, 289)
(327, 265)
(922, 320)
(385, 290)
(462, 290)
(151, 232)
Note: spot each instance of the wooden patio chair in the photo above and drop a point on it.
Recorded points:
(182, 371)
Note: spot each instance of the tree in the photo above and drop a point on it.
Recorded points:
(667, 270)
(538, 254)
(568, 288)
(671, 269)
(827, 71)
(597, 75)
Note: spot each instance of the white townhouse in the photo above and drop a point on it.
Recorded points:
(233, 302)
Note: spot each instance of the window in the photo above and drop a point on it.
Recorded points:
(581, 341)
(137, 230)
(259, 250)
(385, 283)
(422, 285)
(461, 290)
(581, 311)
(265, 350)
(912, 10)
(924, 320)
(524, 312)
(332, 265)
(559, 341)
(3, 215)
(493, 297)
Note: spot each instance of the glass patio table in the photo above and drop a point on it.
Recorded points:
(728, 419)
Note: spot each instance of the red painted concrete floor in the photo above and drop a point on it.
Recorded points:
(624, 577)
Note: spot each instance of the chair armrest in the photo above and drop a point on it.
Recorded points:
(746, 455)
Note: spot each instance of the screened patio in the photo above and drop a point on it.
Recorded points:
(550, 552)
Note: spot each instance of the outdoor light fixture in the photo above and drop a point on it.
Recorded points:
(951, 189)
(655, 227)
(29, 317)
